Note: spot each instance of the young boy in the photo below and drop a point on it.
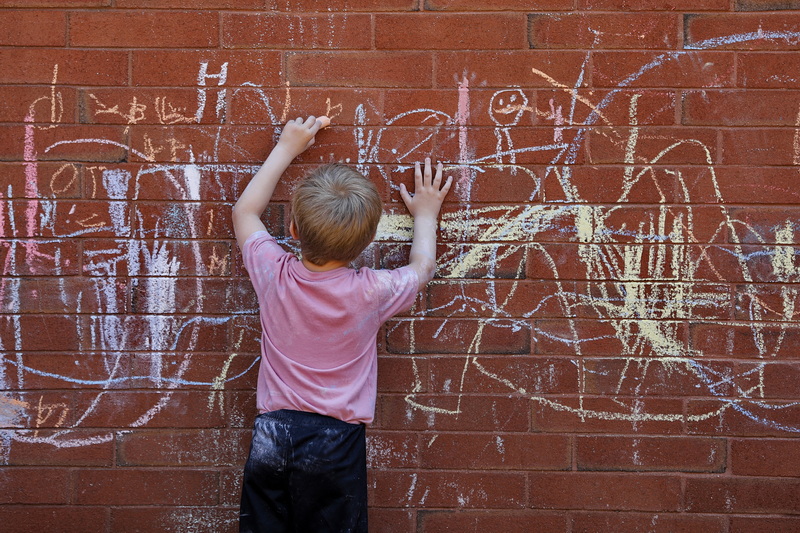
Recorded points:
(317, 378)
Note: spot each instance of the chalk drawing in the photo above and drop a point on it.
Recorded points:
(653, 282)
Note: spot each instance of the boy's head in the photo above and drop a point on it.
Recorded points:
(335, 212)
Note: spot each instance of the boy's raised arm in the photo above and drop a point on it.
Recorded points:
(424, 206)
(295, 138)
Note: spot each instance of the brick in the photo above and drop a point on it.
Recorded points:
(430, 31)
(53, 180)
(599, 31)
(151, 409)
(671, 454)
(656, 523)
(742, 340)
(230, 296)
(112, 29)
(204, 447)
(742, 185)
(348, 107)
(531, 223)
(191, 68)
(201, 4)
(54, 3)
(639, 262)
(452, 412)
(49, 448)
(81, 370)
(757, 147)
(347, 5)
(752, 108)
(741, 495)
(35, 258)
(203, 258)
(142, 487)
(33, 28)
(75, 219)
(765, 5)
(773, 31)
(653, 300)
(757, 457)
(656, 145)
(469, 490)
(360, 69)
(240, 411)
(71, 519)
(765, 302)
(743, 417)
(608, 415)
(65, 143)
(766, 225)
(144, 519)
(766, 70)
(471, 261)
(83, 67)
(296, 32)
(500, 451)
(400, 374)
(498, 298)
(602, 107)
(654, 377)
(190, 220)
(24, 485)
(777, 380)
(509, 68)
(735, 263)
(175, 182)
(496, 5)
(610, 337)
(40, 410)
(391, 519)
(41, 332)
(513, 521)
(654, 5)
(220, 371)
(122, 105)
(763, 524)
(230, 487)
(650, 69)
(163, 333)
(459, 336)
(504, 374)
(63, 296)
(585, 490)
(391, 449)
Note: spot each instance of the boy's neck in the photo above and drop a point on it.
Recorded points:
(330, 265)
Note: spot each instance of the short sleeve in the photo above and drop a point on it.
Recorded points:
(260, 247)
(403, 286)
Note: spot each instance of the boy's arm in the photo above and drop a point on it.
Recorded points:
(295, 138)
(424, 207)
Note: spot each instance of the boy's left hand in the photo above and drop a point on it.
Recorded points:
(298, 135)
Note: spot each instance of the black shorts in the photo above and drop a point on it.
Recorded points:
(305, 473)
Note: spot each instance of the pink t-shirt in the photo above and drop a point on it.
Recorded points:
(319, 329)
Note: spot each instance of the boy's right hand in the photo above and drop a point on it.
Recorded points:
(428, 191)
(298, 135)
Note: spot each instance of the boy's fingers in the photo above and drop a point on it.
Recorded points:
(310, 121)
(437, 180)
(427, 171)
(417, 176)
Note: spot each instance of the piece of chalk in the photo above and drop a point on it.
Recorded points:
(325, 121)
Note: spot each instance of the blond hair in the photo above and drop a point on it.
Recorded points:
(335, 211)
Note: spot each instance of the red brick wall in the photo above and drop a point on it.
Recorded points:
(612, 341)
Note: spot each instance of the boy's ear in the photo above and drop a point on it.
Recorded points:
(293, 230)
